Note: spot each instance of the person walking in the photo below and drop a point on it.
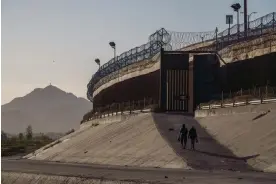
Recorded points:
(183, 136)
(193, 136)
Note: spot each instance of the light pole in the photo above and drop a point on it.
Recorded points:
(113, 45)
(236, 7)
(98, 62)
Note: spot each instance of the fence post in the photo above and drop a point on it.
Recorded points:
(261, 99)
(133, 105)
(216, 38)
(100, 112)
(266, 92)
(273, 21)
(241, 91)
(144, 103)
(210, 105)
(221, 104)
(122, 107)
(129, 107)
(229, 33)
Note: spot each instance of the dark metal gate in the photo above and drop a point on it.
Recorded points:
(174, 73)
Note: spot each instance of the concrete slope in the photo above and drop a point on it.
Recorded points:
(147, 139)
(134, 141)
(248, 131)
(209, 154)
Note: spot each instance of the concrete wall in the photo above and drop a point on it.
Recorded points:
(249, 49)
(136, 88)
(142, 79)
(258, 71)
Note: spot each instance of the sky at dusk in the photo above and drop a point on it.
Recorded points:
(75, 32)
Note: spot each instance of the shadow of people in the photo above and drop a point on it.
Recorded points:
(209, 153)
(228, 156)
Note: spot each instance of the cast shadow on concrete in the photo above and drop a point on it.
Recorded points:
(261, 115)
(209, 153)
(228, 156)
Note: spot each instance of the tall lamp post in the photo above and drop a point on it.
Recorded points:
(236, 7)
(113, 45)
(98, 62)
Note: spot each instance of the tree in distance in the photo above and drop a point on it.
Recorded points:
(29, 132)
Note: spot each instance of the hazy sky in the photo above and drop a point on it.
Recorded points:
(75, 32)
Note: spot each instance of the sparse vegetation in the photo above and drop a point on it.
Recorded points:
(23, 144)
(70, 131)
(29, 132)
(95, 124)
(87, 116)
(20, 136)
(51, 145)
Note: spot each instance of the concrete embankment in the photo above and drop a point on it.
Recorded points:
(248, 131)
(144, 140)
(122, 140)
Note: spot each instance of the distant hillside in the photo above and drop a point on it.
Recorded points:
(46, 110)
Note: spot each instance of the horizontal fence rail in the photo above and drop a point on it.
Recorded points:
(257, 95)
(121, 108)
(171, 40)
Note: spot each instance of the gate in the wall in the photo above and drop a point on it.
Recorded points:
(174, 86)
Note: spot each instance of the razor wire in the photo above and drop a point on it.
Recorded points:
(180, 40)
(262, 22)
(168, 40)
(172, 40)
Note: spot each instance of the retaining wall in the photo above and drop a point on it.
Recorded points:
(142, 79)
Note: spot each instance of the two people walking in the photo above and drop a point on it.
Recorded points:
(185, 134)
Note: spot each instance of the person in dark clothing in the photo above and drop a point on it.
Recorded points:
(183, 136)
(193, 137)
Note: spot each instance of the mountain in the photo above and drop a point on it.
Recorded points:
(47, 110)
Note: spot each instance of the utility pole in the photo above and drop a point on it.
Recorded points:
(245, 18)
